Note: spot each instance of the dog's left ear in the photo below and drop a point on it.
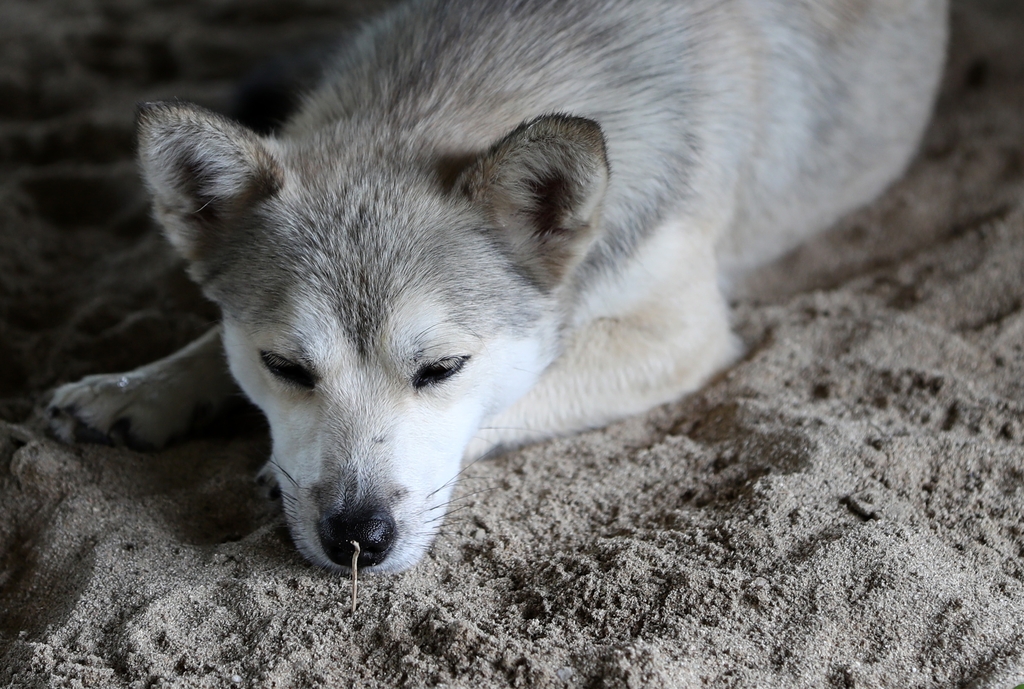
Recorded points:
(203, 170)
(542, 185)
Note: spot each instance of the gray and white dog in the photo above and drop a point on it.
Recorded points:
(495, 222)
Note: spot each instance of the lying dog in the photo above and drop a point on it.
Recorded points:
(495, 222)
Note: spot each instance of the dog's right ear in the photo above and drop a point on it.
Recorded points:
(202, 169)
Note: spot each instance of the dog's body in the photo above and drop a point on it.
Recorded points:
(497, 222)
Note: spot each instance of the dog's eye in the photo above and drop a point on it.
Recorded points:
(288, 370)
(438, 371)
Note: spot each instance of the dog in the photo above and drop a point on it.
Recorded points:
(491, 223)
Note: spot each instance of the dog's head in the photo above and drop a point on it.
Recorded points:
(377, 314)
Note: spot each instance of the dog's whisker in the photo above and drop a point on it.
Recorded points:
(455, 500)
(283, 471)
(449, 513)
(454, 478)
(468, 479)
(466, 496)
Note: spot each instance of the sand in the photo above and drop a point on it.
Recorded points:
(843, 508)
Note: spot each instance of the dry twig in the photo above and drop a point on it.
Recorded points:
(355, 574)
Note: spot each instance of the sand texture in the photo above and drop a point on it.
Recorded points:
(843, 508)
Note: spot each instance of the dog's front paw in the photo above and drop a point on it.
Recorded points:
(113, 409)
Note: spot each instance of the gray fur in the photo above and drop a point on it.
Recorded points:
(674, 87)
(550, 191)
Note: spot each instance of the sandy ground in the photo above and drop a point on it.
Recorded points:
(843, 508)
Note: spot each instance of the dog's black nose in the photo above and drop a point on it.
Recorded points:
(374, 530)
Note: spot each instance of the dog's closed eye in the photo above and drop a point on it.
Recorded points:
(438, 371)
(288, 371)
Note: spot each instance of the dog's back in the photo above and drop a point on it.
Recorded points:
(757, 120)
(844, 97)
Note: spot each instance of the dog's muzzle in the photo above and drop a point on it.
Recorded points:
(373, 529)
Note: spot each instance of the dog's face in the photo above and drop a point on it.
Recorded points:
(369, 431)
(376, 315)
(375, 363)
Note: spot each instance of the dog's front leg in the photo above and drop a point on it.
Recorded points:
(147, 407)
(613, 369)
(619, 365)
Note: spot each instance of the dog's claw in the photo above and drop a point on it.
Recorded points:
(93, 410)
(87, 434)
(67, 425)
